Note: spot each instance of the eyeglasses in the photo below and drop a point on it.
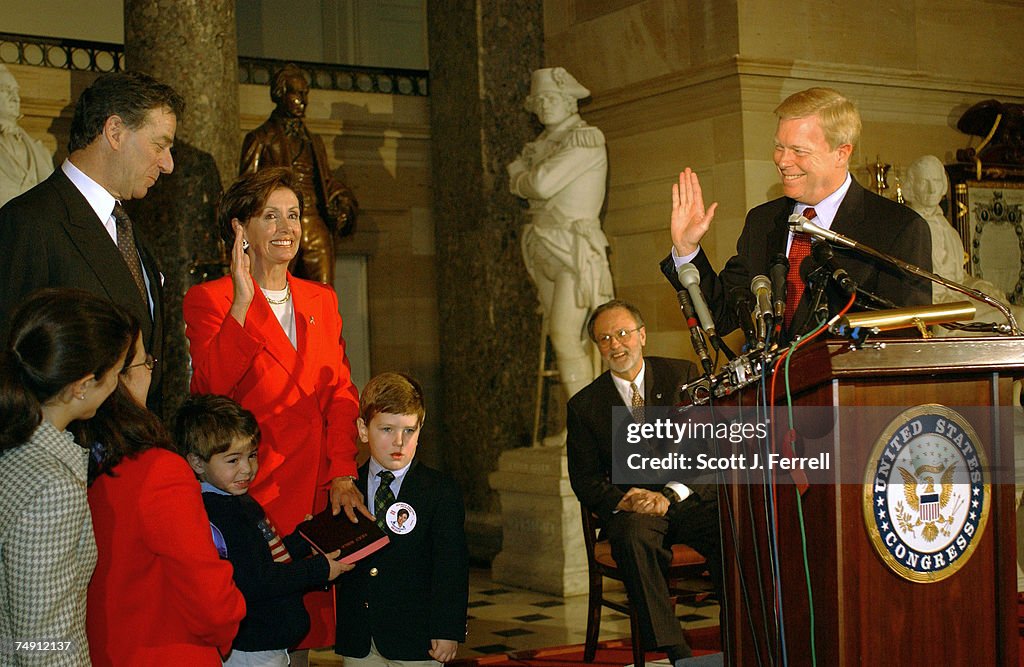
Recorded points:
(149, 363)
(622, 335)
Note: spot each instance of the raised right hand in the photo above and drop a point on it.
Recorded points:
(240, 277)
(690, 220)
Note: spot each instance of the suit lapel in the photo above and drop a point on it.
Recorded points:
(609, 394)
(850, 215)
(409, 493)
(87, 233)
(309, 321)
(657, 388)
(278, 344)
(778, 235)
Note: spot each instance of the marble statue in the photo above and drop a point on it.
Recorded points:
(24, 161)
(924, 187)
(562, 175)
(329, 207)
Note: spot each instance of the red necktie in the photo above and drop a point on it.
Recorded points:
(798, 250)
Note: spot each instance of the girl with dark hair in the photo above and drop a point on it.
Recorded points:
(62, 361)
(160, 594)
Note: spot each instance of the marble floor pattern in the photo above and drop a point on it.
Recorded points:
(503, 618)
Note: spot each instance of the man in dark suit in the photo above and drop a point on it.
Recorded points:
(70, 230)
(641, 523)
(815, 138)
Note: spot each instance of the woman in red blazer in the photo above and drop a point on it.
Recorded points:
(160, 594)
(273, 343)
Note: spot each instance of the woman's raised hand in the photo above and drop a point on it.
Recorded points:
(240, 276)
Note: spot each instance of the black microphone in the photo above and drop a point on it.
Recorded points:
(823, 255)
(742, 307)
(815, 277)
(762, 288)
(696, 334)
(778, 273)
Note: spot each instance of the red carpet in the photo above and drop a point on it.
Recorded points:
(613, 653)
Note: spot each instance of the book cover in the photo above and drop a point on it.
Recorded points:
(356, 541)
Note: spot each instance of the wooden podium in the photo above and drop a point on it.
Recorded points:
(864, 612)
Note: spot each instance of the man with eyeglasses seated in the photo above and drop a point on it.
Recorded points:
(641, 524)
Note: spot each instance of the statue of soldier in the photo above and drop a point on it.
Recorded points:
(562, 175)
(329, 207)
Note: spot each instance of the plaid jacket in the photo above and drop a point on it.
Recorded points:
(47, 548)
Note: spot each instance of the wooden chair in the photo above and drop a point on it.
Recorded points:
(686, 563)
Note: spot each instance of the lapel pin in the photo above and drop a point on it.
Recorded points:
(311, 321)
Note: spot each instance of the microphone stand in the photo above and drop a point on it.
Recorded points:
(818, 310)
(799, 223)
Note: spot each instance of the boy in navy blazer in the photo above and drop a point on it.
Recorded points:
(407, 601)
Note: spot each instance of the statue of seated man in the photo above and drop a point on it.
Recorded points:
(24, 161)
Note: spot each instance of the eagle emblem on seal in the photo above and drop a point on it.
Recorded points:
(925, 507)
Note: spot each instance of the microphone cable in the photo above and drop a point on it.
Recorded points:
(745, 597)
(787, 357)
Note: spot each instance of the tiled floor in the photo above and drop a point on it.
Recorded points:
(503, 618)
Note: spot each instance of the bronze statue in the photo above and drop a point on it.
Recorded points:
(329, 207)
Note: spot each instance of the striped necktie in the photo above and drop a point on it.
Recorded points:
(384, 498)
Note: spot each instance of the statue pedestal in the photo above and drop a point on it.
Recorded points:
(542, 543)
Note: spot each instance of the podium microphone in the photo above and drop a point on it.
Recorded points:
(689, 276)
(696, 333)
(742, 308)
(814, 276)
(762, 289)
(777, 274)
(823, 255)
(799, 223)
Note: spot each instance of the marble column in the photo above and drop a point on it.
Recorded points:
(191, 45)
(481, 57)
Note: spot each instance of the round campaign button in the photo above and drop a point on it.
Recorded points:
(401, 518)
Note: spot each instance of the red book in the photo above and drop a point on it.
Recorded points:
(327, 533)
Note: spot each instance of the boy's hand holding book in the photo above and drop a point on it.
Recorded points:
(337, 566)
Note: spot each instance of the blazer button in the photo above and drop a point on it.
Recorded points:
(366, 605)
(373, 572)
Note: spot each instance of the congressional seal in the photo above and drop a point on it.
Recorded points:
(926, 493)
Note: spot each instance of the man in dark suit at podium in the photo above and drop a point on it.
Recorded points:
(814, 141)
(71, 230)
(641, 523)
